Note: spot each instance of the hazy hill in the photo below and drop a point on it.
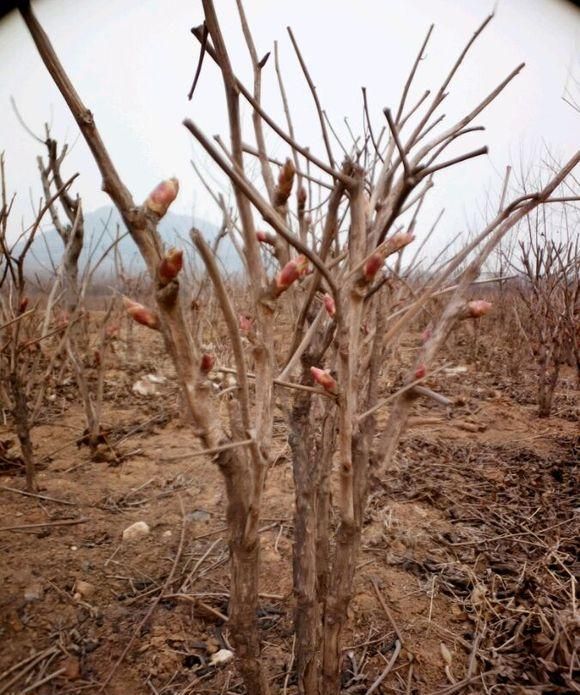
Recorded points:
(100, 231)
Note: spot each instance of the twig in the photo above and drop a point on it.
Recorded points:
(314, 96)
(402, 390)
(42, 681)
(18, 318)
(386, 670)
(210, 452)
(290, 665)
(63, 522)
(29, 663)
(387, 610)
(33, 494)
(197, 602)
(461, 684)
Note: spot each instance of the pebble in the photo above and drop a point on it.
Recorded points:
(223, 656)
(136, 531)
(33, 592)
(84, 588)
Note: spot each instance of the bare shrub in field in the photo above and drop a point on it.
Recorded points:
(549, 290)
(25, 362)
(332, 238)
(71, 230)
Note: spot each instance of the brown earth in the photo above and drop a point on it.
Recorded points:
(470, 540)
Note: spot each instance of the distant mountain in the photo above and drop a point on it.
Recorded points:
(101, 230)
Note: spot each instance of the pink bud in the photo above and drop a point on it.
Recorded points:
(23, 304)
(427, 333)
(207, 362)
(372, 266)
(262, 237)
(285, 181)
(162, 196)
(112, 330)
(421, 371)
(294, 269)
(246, 323)
(478, 308)
(141, 314)
(324, 378)
(302, 196)
(399, 240)
(170, 266)
(329, 305)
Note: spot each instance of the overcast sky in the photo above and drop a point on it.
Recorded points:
(132, 62)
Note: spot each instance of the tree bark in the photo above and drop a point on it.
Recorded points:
(344, 565)
(21, 418)
(307, 617)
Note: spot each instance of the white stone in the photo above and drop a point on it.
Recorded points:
(33, 592)
(136, 531)
(222, 657)
(149, 385)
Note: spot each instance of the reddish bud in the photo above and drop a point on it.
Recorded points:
(141, 314)
(324, 378)
(421, 371)
(285, 181)
(302, 197)
(399, 241)
(330, 305)
(478, 308)
(23, 304)
(262, 237)
(372, 266)
(207, 362)
(162, 196)
(246, 323)
(392, 245)
(170, 266)
(294, 269)
(97, 358)
(112, 330)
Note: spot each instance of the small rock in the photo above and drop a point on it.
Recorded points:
(33, 592)
(199, 515)
(222, 657)
(136, 531)
(149, 385)
(72, 668)
(74, 547)
(166, 536)
(84, 588)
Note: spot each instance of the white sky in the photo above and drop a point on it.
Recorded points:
(132, 62)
